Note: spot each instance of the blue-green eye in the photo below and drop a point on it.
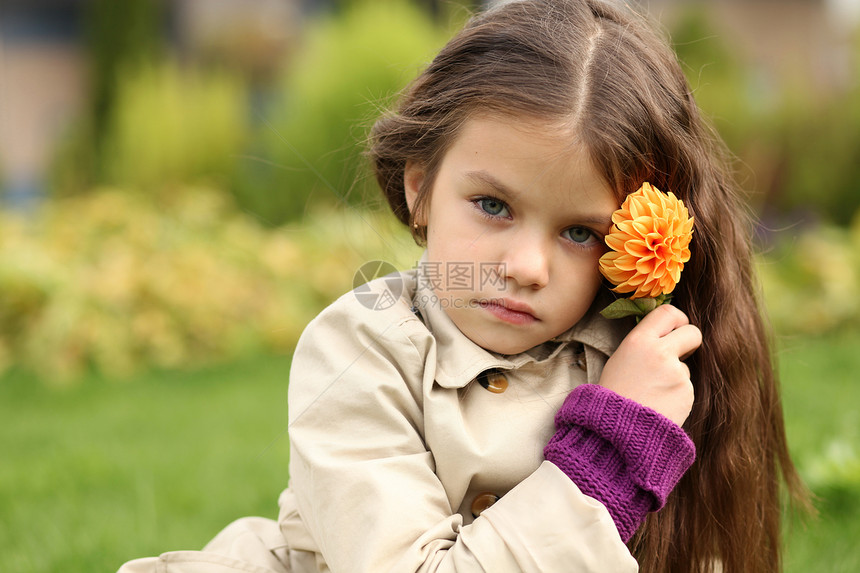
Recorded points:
(493, 207)
(579, 235)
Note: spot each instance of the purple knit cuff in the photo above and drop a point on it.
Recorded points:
(624, 454)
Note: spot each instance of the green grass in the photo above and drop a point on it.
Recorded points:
(104, 472)
(821, 399)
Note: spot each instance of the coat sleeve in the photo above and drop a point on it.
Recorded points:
(365, 483)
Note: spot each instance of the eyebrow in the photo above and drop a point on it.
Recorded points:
(488, 179)
(600, 221)
(597, 220)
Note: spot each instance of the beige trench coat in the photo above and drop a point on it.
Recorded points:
(402, 460)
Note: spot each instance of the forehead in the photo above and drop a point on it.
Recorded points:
(531, 158)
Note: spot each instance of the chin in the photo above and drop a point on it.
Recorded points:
(506, 347)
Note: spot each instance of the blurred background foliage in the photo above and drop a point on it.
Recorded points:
(187, 166)
(798, 144)
(207, 201)
(306, 149)
(116, 282)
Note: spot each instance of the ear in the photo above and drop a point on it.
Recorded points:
(413, 179)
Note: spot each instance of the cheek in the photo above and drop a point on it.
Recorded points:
(458, 235)
(595, 278)
(587, 284)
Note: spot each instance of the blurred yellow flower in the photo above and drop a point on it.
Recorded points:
(649, 242)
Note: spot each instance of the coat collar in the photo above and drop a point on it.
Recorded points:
(459, 360)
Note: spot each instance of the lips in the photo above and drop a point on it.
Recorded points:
(509, 311)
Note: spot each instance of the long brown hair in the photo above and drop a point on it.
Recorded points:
(606, 72)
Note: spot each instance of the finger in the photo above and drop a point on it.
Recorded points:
(684, 340)
(663, 320)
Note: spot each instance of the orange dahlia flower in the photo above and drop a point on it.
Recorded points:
(649, 242)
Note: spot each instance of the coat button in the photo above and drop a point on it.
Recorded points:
(482, 502)
(493, 380)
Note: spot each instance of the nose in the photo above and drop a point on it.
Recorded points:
(527, 260)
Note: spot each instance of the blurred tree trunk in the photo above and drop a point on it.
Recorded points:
(119, 34)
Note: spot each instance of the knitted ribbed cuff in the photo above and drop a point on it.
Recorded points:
(624, 454)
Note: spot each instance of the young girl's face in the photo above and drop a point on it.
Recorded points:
(515, 226)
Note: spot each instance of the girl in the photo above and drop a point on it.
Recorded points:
(486, 417)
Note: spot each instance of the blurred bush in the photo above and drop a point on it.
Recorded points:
(168, 125)
(820, 157)
(812, 281)
(716, 74)
(834, 473)
(277, 149)
(115, 282)
(172, 126)
(798, 146)
(309, 144)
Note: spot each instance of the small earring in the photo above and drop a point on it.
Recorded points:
(415, 226)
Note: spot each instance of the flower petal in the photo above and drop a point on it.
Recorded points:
(649, 243)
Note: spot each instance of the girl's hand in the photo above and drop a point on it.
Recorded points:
(648, 367)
